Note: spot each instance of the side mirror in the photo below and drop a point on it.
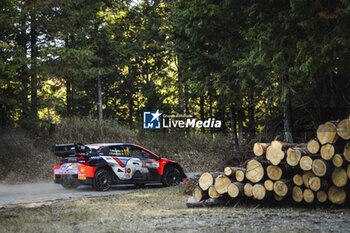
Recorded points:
(159, 157)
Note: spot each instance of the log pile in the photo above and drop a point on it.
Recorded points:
(314, 172)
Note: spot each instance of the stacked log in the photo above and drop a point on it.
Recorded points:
(314, 172)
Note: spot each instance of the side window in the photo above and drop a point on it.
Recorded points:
(118, 151)
(136, 152)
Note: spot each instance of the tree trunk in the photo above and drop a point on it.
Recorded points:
(233, 128)
(240, 127)
(251, 114)
(286, 106)
(33, 57)
(180, 85)
(69, 97)
(99, 94)
(23, 40)
(201, 109)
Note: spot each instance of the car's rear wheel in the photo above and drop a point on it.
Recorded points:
(171, 176)
(102, 180)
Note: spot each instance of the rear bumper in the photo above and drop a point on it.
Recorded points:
(59, 179)
(82, 174)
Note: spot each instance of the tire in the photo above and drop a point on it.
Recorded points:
(171, 176)
(70, 184)
(102, 180)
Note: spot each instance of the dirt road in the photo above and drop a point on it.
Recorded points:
(37, 192)
(26, 193)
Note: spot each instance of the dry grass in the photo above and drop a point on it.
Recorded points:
(164, 210)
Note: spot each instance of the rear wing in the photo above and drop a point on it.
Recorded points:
(70, 150)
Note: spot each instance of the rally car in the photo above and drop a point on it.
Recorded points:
(104, 164)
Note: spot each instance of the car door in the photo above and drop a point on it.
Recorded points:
(143, 163)
(118, 159)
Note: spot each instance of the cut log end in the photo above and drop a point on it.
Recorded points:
(322, 196)
(337, 160)
(259, 191)
(221, 184)
(327, 151)
(305, 163)
(274, 152)
(319, 167)
(248, 190)
(198, 194)
(268, 184)
(348, 170)
(343, 129)
(339, 177)
(274, 172)
(297, 194)
(309, 196)
(347, 152)
(327, 133)
(255, 171)
(280, 188)
(293, 157)
(336, 195)
(315, 183)
(205, 181)
(259, 148)
(297, 180)
(306, 176)
(240, 175)
(212, 192)
(313, 146)
(235, 189)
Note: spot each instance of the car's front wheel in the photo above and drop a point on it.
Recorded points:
(102, 180)
(171, 176)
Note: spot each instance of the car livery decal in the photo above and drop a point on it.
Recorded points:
(68, 168)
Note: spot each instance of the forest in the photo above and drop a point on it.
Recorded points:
(261, 67)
